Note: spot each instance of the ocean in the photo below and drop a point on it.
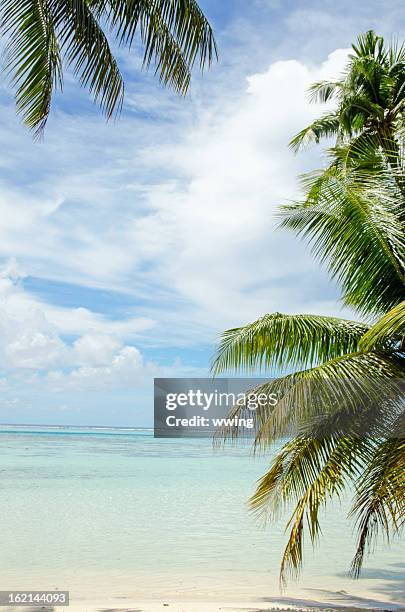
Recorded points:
(114, 514)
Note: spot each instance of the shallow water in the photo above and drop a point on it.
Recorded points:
(117, 513)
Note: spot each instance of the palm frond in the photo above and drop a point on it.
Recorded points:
(32, 57)
(354, 220)
(325, 127)
(307, 472)
(355, 384)
(42, 33)
(389, 329)
(174, 33)
(355, 110)
(370, 44)
(359, 384)
(324, 91)
(86, 49)
(285, 341)
(379, 504)
(341, 445)
(369, 96)
(163, 50)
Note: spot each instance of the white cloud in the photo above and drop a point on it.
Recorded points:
(75, 321)
(173, 205)
(95, 349)
(124, 368)
(184, 221)
(212, 233)
(31, 338)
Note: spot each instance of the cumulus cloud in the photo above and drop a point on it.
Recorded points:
(32, 338)
(183, 222)
(172, 207)
(212, 232)
(124, 368)
(95, 349)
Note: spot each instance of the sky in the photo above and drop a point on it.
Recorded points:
(127, 247)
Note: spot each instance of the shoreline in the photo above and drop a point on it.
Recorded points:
(103, 593)
(135, 605)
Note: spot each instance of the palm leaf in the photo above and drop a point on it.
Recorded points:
(389, 329)
(307, 472)
(354, 220)
(369, 96)
(325, 127)
(32, 57)
(341, 445)
(286, 341)
(324, 91)
(86, 49)
(356, 383)
(175, 33)
(380, 499)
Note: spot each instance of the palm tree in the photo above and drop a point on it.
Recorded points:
(44, 35)
(369, 97)
(345, 404)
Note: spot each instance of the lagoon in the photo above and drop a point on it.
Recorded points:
(117, 516)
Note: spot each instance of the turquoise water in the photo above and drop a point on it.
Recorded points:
(119, 513)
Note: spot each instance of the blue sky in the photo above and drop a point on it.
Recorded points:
(125, 248)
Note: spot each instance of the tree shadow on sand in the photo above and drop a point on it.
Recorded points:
(393, 578)
(393, 586)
